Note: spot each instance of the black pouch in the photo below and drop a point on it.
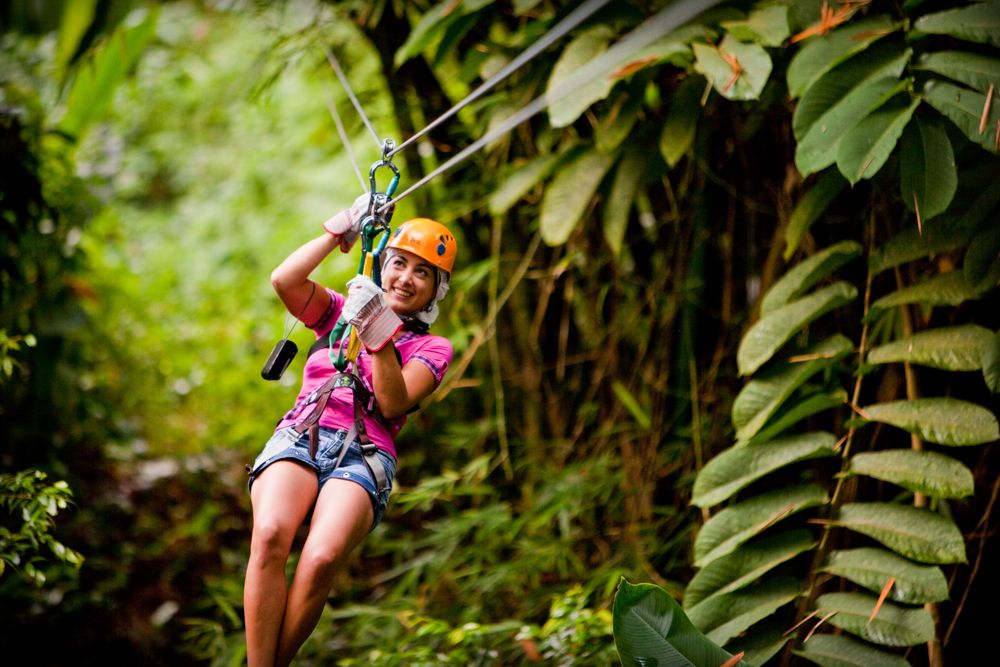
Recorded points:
(281, 356)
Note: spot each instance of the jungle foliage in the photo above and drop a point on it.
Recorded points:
(726, 324)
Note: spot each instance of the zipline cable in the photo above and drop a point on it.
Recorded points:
(667, 19)
(350, 93)
(344, 139)
(568, 23)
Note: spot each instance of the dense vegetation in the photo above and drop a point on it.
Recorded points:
(725, 322)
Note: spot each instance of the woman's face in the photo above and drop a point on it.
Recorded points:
(408, 281)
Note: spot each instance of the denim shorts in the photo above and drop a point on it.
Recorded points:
(286, 444)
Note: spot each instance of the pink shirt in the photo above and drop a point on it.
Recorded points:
(435, 352)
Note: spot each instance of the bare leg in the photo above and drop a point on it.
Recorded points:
(341, 519)
(281, 498)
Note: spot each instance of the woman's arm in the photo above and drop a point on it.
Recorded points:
(291, 279)
(399, 389)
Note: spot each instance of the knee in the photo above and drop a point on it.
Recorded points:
(319, 565)
(271, 542)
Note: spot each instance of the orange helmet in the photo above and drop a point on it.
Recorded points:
(427, 239)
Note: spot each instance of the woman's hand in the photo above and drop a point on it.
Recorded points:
(366, 309)
(347, 224)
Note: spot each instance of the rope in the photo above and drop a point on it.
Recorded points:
(350, 93)
(344, 140)
(667, 19)
(568, 23)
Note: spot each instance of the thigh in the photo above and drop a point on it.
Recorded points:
(283, 494)
(342, 517)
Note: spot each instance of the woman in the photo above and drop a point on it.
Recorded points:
(306, 467)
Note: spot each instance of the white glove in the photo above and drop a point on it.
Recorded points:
(346, 225)
(366, 309)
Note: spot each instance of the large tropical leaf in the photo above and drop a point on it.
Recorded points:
(746, 565)
(804, 275)
(77, 18)
(946, 421)
(821, 54)
(682, 120)
(787, 416)
(841, 651)
(944, 289)
(937, 235)
(628, 178)
(773, 330)
(965, 108)
(812, 205)
(739, 467)
(722, 617)
(991, 364)
(818, 148)
(866, 146)
(872, 567)
(754, 67)
(568, 195)
(650, 628)
(978, 22)
(761, 642)
(893, 625)
(958, 348)
(762, 396)
(974, 70)
(618, 121)
(767, 26)
(882, 60)
(981, 256)
(925, 472)
(918, 534)
(521, 180)
(589, 44)
(736, 524)
(927, 173)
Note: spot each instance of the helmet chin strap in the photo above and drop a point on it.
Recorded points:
(427, 315)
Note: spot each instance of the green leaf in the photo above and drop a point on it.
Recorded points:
(761, 397)
(807, 273)
(96, 80)
(978, 22)
(965, 108)
(818, 148)
(945, 289)
(631, 404)
(883, 60)
(972, 69)
(618, 122)
(812, 205)
(840, 651)
(437, 19)
(982, 253)
(946, 421)
(727, 530)
(738, 467)
(991, 364)
(628, 177)
(761, 642)
(723, 617)
(569, 194)
(754, 64)
(77, 18)
(785, 418)
(925, 472)
(650, 628)
(682, 120)
(892, 626)
(866, 147)
(767, 26)
(746, 565)
(918, 534)
(582, 49)
(937, 235)
(821, 54)
(520, 180)
(957, 348)
(673, 48)
(927, 173)
(871, 567)
(774, 329)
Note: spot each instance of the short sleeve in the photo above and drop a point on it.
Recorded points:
(436, 353)
(329, 317)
